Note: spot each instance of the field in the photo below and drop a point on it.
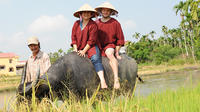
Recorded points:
(9, 82)
(182, 100)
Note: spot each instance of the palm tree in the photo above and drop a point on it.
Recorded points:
(191, 7)
(144, 38)
(165, 32)
(190, 33)
(152, 33)
(136, 35)
(180, 8)
(161, 41)
(179, 37)
(172, 32)
(184, 37)
(191, 13)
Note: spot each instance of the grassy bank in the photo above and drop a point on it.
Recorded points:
(8, 83)
(150, 69)
(181, 100)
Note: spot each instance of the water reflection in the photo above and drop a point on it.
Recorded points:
(170, 80)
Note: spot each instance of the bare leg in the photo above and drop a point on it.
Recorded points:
(114, 65)
(102, 79)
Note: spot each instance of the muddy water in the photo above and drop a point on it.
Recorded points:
(153, 83)
(171, 80)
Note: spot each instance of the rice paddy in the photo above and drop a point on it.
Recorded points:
(184, 99)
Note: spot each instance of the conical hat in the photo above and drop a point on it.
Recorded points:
(85, 7)
(106, 5)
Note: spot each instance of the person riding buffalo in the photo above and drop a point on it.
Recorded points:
(111, 37)
(38, 59)
(85, 41)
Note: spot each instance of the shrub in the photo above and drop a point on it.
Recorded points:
(164, 54)
(140, 51)
(177, 62)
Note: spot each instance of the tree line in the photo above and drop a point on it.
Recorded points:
(182, 41)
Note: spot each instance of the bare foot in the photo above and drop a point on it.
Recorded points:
(118, 57)
(116, 84)
(103, 85)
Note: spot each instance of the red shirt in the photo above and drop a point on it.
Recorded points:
(88, 35)
(110, 34)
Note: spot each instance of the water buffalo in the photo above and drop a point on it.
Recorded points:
(76, 74)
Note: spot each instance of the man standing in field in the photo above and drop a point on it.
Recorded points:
(111, 37)
(38, 59)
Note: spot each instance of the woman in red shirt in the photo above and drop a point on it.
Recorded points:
(111, 37)
(84, 39)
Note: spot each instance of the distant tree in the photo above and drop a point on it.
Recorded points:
(54, 56)
(165, 32)
(180, 8)
(136, 35)
(152, 33)
(190, 24)
(140, 50)
(182, 40)
(164, 54)
(70, 50)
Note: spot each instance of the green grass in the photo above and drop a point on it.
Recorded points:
(181, 100)
(176, 61)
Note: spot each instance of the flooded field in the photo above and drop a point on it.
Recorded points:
(153, 83)
(170, 80)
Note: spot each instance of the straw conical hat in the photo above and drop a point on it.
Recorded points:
(85, 7)
(106, 5)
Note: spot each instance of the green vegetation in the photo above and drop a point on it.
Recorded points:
(181, 100)
(175, 48)
(54, 56)
(182, 41)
